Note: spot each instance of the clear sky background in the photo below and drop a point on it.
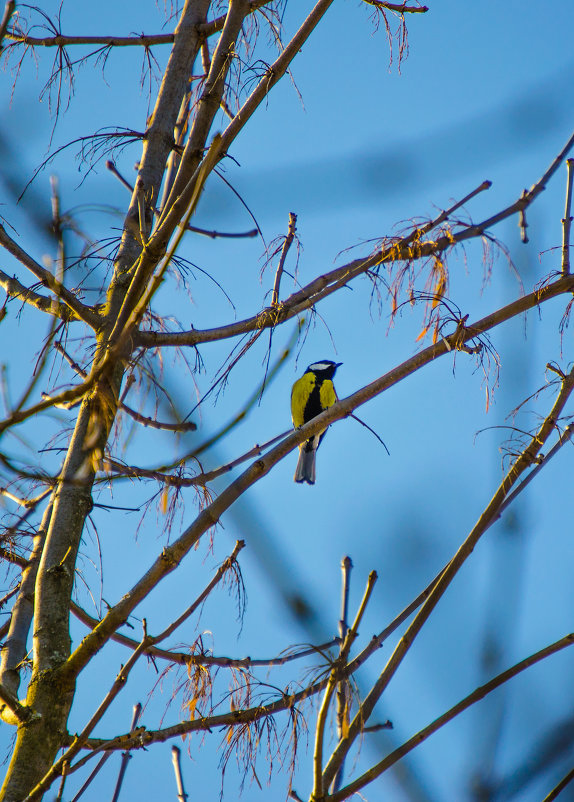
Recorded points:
(357, 148)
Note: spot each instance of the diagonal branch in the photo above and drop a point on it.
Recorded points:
(14, 289)
(211, 514)
(79, 310)
(528, 457)
(464, 704)
(408, 248)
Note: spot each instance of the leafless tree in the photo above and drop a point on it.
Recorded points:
(104, 354)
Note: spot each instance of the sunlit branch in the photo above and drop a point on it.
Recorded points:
(143, 40)
(565, 437)
(226, 566)
(14, 289)
(408, 248)
(342, 717)
(212, 94)
(176, 760)
(81, 311)
(20, 714)
(204, 232)
(216, 25)
(12, 557)
(14, 649)
(136, 713)
(287, 242)
(567, 219)
(400, 8)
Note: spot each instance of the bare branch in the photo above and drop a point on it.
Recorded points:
(226, 565)
(338, 666)
(78, 309)
(137, 711)
(400, 8)
(14, 648)
(492, 512)
(176, 759)
(567, 219)
(9, 9)
(408, 248)
(464, 704)
(287, 242)
(188, 658)
(11, 705)
(14, 289)
(81, 739)
(342, 689)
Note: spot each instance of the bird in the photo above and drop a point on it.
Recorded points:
(312, 394)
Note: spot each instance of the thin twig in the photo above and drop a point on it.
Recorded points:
(567, 220)
(372, 431)
(9, 9)
(186, 426)
(93, 774)
(212, 234)
(79, 310)
(400, 8)
(560, 787)
(226, 565)
(176, 760)
(137, 711)
(185, 658)
(287, 242)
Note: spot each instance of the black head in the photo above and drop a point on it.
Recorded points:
(325, 369)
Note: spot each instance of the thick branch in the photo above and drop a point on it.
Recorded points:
(14, 289)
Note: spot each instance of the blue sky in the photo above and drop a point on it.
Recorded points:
(357, 149)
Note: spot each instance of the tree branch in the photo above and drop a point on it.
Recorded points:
(14, 289)
(76, 307)
(464, 704)
(490, 514)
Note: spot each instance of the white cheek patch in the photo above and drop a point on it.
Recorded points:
(320, 366)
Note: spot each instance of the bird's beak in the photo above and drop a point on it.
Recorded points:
(338, 364)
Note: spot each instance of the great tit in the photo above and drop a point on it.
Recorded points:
(312, 394)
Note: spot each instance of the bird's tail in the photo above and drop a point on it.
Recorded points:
(305, 471)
